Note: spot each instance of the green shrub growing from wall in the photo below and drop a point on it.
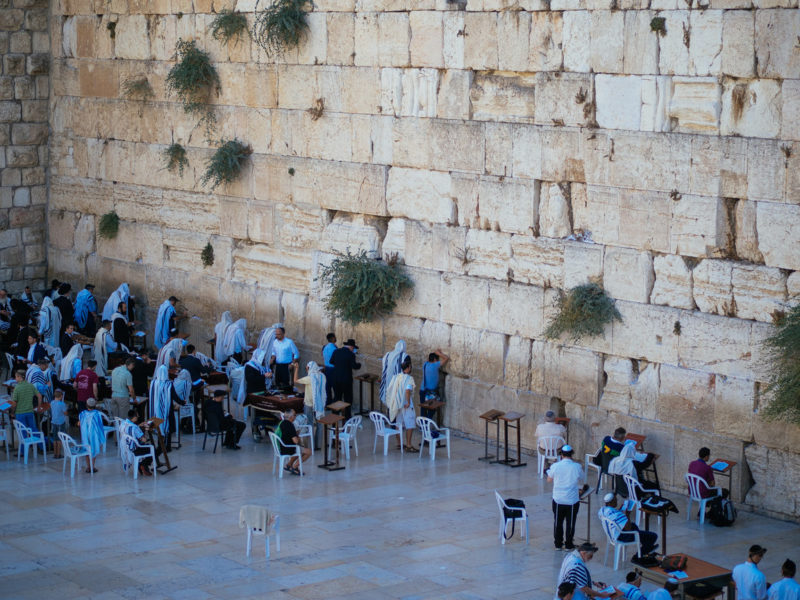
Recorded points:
(175, 155)
(226, 163)
(108, 226)
(193, 79)
(282, 25)
(138, 88)
(228, 25)
(783, 348)
(583, 311)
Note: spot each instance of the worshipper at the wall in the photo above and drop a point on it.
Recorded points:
(664, 593)
(170, 352)
(120, 326)
(574, 570)
(121, 294)
(92, 433)
(66, 342)
(52, 293)
(161, 401)
(64, 305)
(141, 373)
(566, 590)
(58, 422)
(267, 339)
(623, 465)
(344, 363)
(122, 389)
(548, 428)
(5, 311)
(233, 429)
(36, 350)
(751, 583)
(787, 588)
(38, 374)
(314, 399)
(429, 390)
(288, 434)
(49, 323)
(284, 357)
(399, 400)
(647, 539)
(165, 321)
(613, 444)
(256, 374)
(235, 341)
(391, 366)
(631, 589)
(327, 351)
(182, 385)
(86, 311)
(701, 468)
(71, 364)
(103, 344)
(23, 396)
(219, 337)
(132, 429)
(27, 297)
(566, 476)
(194, 365)
(86, 384)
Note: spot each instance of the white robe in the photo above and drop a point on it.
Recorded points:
(101, 352)
(49, 323)
(68, 362)
(121, 294)
(161, 397)
(170, 349)
(165, 311)
(219, 334)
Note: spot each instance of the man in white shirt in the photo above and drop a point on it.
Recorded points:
(751, 584)
(550, 428)
(665, 593)
(787, 588)
(284, 356)
(566, 476)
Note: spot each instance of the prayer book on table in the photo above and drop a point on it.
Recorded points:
(720, 465)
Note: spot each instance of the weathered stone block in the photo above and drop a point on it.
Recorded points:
(516, 309)
(425, 299)
(718, 344)
(61, 225)
(582, 263)
(503, 97)
(738, 51)
(427, 35)
(506, 205)
(98, 79)
(790, 120)
(556, 100)
(673, 283)
(759, 292)
(273, 267)
(751, 109)
(581, 376)
(424, 142)
(778, 227)
(646, 332)
(545, 51)
(537, 261)
(699, 226)
(348, 233)
(695, 105)
(513, 28)
(465, 301)
(640, 53)
(607, 41)
(713, 287)
(554, 211)
(453, 99)
(480, 41)
(628, 274)
(420, 195)
(488, 254)
(619, 100)
(686, 397)
(131, 39)
(776, 59)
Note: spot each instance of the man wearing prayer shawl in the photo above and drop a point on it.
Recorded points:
(267, 338)
(235, 340)
(120, 326)
(64, 305)
(399, 400)
(315, 397)
(161, 391)
(165, 321)
(39, 376)
(183, 388)
(71, 364)
(574, 570)
(219, 335)
(92, 433)
(255, 375)
(49, 323)
(170, 353)
(392, 362)
(121, 294)
(86, 311)
(102, 345)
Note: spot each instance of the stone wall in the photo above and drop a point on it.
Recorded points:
(24, 93)
(504, 151)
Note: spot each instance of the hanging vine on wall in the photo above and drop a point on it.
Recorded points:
(228, 25)
(108, 226)
(207, 255)
(226, 163)
(583, 311)
(282, 25)
(175, 155)
(194, 79)
(783, 350)
(363, 289)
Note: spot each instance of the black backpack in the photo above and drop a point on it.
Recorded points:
(513, 513)
(722, 513)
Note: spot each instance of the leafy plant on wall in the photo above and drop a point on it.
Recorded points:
(226, 163)
(282, 25)
(108, 226)
(138, 88)
(207, 255)
(194, 79)
(583, 311)
(175, 155)
(783, 349)
(362, 288)
(229, 25)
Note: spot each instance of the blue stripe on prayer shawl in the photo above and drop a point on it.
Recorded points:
(160, 402)
(84, 304)
(92, 433)
(165, 311)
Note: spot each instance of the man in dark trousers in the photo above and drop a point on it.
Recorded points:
(233, 429)
(64, 305)
(344, 363)
(191, 363)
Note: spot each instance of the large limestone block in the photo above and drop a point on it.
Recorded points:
(751, 109)
(620, 378)
(644, 161)
(394, 242)
(790, 116)
(488, 254)
(619, 101)
(554, 211)
(640, 54)
(718, 344)
(628, 274)
(507, 205)
(437, 247)
(517, 364)
(464, 351)
(492, 350)
(582, 263)
(516, 309)
(427, 36)
(546, 368)
(767, 168)
(454, 37)
(139, 203)
(85, 235)
(646, 332)
(453, 99)
(299, 226)
(194, 212)
(537, 261)
(607, 41)
(420, 195)
(425, 300)
(527, 151)
(673, 51)
(350, 233)
(131, 40)
(182, 250)
(734, 405)
(705, 46)
(513, 31)
(699, 226)
(581, 376)
(480, 41)
(86, 196)
(503, 98)
(135, 243)
(577, 29)
(695, 105)
(422, 143)
(778, 228)
(61, 235)
(686, 397)
(314, 48)
(776, 58)
(775, 474)
(656, 98)
(341, 42)
(366, 40)
(98, 78)
(394, 34)
(644, 392)
(673, 285)
(465, 301)
(545, 50)
(260, 222)
(738, 49)
(705, 177)
(562, 154)
(557, 99)
(274, 267)
(409, 92)
(713, 286)
(759, 292)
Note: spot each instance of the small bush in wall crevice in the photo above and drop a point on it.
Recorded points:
(175, 155)
(108, 226)
(783, 351)
(362, 288)
(207, 255)
(281, 26)
(138, 88)
(226, 163)
(583, 311)
(228, 25)
(193, 79)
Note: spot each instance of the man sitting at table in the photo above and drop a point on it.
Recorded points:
(613, 444)
(701, 468)
(647, 539)
(233, 429)
(548, 427)
(288, 434)
(191, 363)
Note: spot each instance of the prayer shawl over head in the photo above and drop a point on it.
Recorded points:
(316, 389)
(121, 294)
(574, 570)
(49, 323)
(70, 362)
(161, 397)
(219, 334)
(101, 352)
(206, 361)
(92, 432)
(183, 385)
(391, 367)
(235, 340)
(127, 449)
(623, 464)
(236, 381)
(396, 394)
(171, 349)
(257, 363)
(165, 312)
(84, 304)
(267, 338)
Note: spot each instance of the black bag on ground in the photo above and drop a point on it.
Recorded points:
(722, 513)
(511, 511)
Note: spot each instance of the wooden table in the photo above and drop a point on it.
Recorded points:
(726, 472)
(508, 419)
(371, 380)
(698, 571)
(491, 416)
(329, 421)
(274, 403)
(154, 425)
(338, 407)
(434, 406)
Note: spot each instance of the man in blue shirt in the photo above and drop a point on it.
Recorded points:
(787, 588)
(327, 352)
(430, 379)
(285, 357)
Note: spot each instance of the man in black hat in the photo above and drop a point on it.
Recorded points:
(751, 584)
(64, 305)
(344, 363)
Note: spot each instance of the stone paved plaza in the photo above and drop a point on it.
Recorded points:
(386, 527)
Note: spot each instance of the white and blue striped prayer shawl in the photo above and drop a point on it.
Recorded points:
(267, 339)
(183, 385)
(235, 340)
(317, 388)
(161, 397)
(165, 312)
(574, 570)
(84, 304)
(631, 592)
(613, 521)
(40, 380)
(92, 432)
(70, 363)
(391, 366)
(49, 323)
(171, 349)
(121, 294)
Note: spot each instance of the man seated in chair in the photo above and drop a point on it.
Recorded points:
(233, 429)
(133, 430)
(548, 427)
(700, 468)
(287, 432)
(647, 539)
(631, 589)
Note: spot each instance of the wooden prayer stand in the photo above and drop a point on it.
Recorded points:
(371, 380)
(658, 513)
(338, 407)
(329, 421)
(491, 416)
(434, 405)
(508, 419)
(639, 439)
(726, 472)
(153, 425)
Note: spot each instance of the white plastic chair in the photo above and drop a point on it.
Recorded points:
(73, 451)
(428, 427)
(307, 431)
(4, 439)
(384, 429)
(276, 529)
(119, 429)
(552, 444)
(186, 411)
(635, 492)
(347, 436)
(589, 464)
(27, 438)
(613, 531)
(279, 458)
(108, 427)
(696, 486)
(132, 443)
(501, 504)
